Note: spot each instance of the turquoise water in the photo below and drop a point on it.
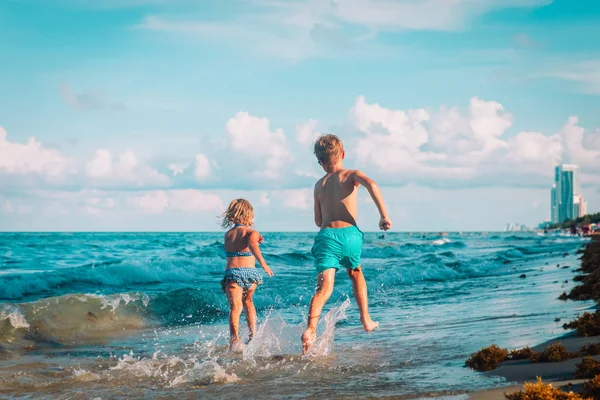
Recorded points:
(115, 315)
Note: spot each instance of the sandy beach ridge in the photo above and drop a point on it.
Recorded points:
(560, 374)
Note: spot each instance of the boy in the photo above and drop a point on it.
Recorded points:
(339, 242)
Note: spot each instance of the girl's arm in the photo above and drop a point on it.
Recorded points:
(253, 242)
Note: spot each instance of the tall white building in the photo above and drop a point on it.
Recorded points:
(566, 201)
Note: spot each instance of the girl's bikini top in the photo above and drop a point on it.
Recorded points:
(238, 253)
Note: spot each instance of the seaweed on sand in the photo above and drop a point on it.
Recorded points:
(592, 349)
(542, 391)
(553, 353)
(592, 388)
(487, 359)
(586, 325)
(587, 368)
(590, 280)
(521, 354)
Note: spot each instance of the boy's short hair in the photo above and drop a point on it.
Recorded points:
(328, 149)
(240, 211)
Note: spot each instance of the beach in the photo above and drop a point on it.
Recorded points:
(559, 374)
(143, 315)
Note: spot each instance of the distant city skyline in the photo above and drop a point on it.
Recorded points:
(566, 198)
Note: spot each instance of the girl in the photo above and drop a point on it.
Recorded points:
(241, 277)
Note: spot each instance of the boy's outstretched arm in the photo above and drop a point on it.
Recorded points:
(318, 215)
(361, 179)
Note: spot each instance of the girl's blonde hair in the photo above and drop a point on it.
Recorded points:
(240, 211)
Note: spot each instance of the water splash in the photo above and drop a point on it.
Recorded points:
(323, 346)
(268, 339)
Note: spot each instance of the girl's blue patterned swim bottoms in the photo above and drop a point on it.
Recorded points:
(244, 277)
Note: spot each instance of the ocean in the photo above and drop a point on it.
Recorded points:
(142, 315)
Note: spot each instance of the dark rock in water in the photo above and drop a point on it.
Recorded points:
(563, 296)
(506, 262)
(557, 265)
(566, 254)
(522, 276)
(381, 236)
(547, 263)
(556, 319)
(555, 282)
(565, 267)
(567, 281)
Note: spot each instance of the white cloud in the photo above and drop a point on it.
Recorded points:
(154, 202)
(392, 138)
(33, 158)
(186, 200)
(535, 147)
(306, 28)
(178, 168)
(586, 74)
(264, 199)
(573, 138)
(7, 207)
(251, 138)
(125, 169)
(100, 166)
(307, 133)
(297, 198)
(87, 100)
(421, 144)
(202, 167)
(436, 15)
(189, 200)
(99, 205)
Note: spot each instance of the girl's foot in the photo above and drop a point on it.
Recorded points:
(236, 346)
(369, 325)
(308, 338)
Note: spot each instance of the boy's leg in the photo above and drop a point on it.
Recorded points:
(234, 296)
(324, 289)
(250, 310)
(359, 287)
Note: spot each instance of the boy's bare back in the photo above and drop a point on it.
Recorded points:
(336, 204)
(336, 200)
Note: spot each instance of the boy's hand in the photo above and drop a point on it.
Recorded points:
(385, 223)
(268, 270)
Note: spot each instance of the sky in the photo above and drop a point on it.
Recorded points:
(151, 115)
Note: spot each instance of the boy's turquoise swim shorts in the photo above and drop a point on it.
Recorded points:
(335, 247)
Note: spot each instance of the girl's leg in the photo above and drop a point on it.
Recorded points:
(250, 310)
(234, 296)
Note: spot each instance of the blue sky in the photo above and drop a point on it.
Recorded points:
(153, 114)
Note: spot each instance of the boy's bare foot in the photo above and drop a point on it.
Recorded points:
(370, 325)
(236, 346)
(308, 338)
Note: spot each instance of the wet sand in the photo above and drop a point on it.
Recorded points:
(559, 374)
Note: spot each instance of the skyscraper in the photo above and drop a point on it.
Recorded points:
(566, 200)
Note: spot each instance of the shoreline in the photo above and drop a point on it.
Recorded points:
(559, 374)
